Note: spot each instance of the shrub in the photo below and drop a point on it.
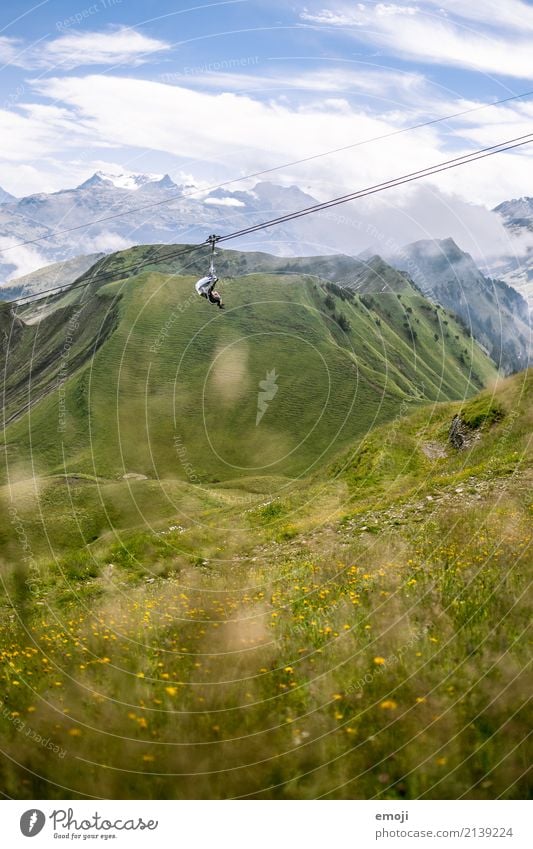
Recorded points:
(480, 411)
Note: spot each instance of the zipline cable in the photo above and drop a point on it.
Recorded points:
(448, 164)
(184, 195)
(105, 277)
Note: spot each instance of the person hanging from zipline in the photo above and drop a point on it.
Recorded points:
(206, 285)
(206, 288)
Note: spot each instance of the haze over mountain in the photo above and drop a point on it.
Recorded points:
(141, 208)
(496, 314)
(50, 277)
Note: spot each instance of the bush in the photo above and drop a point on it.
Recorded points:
(480, 411)
(343, 322)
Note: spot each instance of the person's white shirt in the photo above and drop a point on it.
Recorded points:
(203, 285)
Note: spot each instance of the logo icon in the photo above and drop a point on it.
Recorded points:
(268, 389)
(32, 822)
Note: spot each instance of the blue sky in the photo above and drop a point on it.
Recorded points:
(212, 91)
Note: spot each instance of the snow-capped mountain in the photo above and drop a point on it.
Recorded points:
(150, 208)
(125, 209)
(517, 212)
(517, 268)
(124, 180)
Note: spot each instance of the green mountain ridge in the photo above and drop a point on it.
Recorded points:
(496, 313)
(120, 371)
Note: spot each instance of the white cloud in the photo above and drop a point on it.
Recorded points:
(359, 15)
(502, 44)
(335, 19)
(387, 10)
(180, 122)
(512, 13)
(104, 243)
(24, 259)
(121, 46)
(508, 120)
(444, 43)
(9, 50)
(100, 112)
(339, 78)
(36, 130)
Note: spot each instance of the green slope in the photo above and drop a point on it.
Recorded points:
(152, 380)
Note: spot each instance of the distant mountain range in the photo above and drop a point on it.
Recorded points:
(152, 208)
(137, 209)
(145, 209)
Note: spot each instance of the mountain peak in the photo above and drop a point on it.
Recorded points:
(515, 208)
(123, 180)
(6, 197)
(273, 192)
(164, 182)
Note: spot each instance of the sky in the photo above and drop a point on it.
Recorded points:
(212, 91)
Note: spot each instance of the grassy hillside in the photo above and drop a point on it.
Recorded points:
(142, 377)
(361, 635)
(41, 351)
